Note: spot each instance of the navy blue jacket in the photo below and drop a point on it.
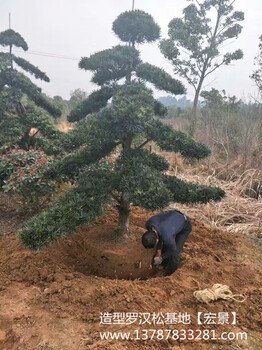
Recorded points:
(167, 224)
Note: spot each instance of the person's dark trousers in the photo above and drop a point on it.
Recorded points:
(180, 238)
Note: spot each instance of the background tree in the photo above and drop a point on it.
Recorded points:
(76, 97)
(257, 77)
(134, 175)
(22, 105)
(257, 74)
(216, 102)
(195, 42)
(231, 128)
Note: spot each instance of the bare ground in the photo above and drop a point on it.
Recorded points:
(52, 299)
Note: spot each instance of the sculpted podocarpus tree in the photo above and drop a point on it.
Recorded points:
(128, 123)
(22, 105)
(195, 42)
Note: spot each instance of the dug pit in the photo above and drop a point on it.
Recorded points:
(97, 250)
(43, 293)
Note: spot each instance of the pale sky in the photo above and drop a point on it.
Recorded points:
(78, 28)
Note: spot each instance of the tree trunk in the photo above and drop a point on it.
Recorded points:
(10, 52)
(194, 110)
(123, 218)
(124, 202)
(202, 77)
(25, 140)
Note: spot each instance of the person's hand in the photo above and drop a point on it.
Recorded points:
(158, 260)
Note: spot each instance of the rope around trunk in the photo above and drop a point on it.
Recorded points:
(218, 291)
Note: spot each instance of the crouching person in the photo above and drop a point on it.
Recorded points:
(168, 232)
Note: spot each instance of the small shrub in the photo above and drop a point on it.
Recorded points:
(21, 173)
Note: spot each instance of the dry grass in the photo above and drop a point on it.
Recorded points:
(64, 126)
(237, 212)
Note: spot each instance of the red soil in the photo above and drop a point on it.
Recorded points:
(52, 299)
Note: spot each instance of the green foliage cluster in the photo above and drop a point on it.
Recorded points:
(136, 27)
(110, 64)
(20, 98)
(11, 38)
(17, 120)
(21, 173)
(159, 78)
(30, 68)
(190, 192)
(95, 101)
(176, 141)
(77, 206)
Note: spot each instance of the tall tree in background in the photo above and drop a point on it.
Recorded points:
(22, 105)
(257, 74)
(195, 42)
(135, 176)
(257, 77)
(76, 97)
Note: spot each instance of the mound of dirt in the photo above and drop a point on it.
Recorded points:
(43, 293)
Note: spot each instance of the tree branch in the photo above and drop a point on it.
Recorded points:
(232, 2)
(143, 144)
(35, 133)
(205, 19)
(217, 66)
(115, 197)
(183, 73)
